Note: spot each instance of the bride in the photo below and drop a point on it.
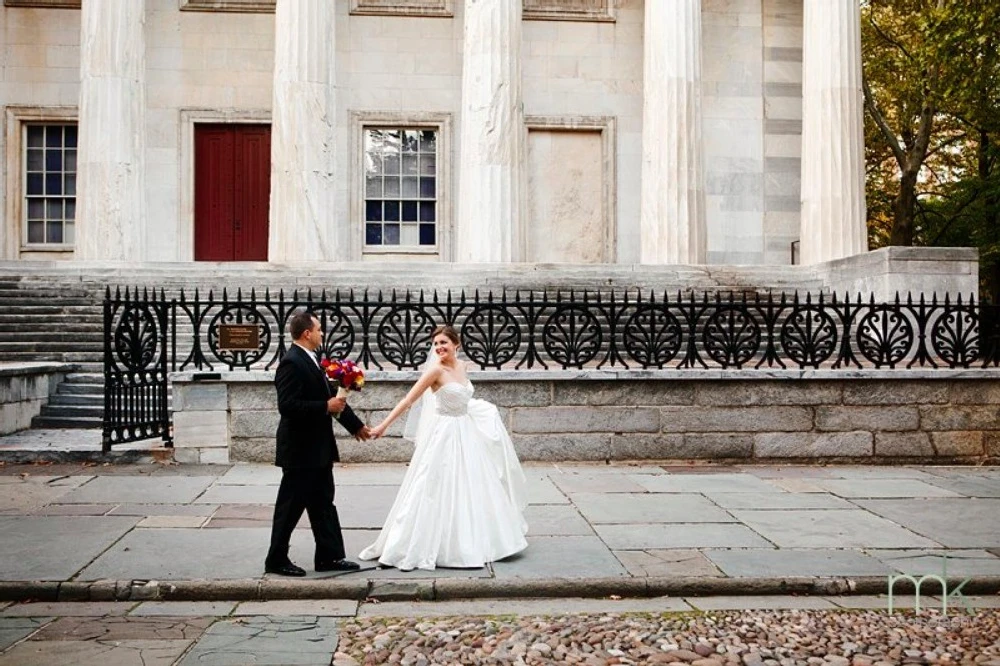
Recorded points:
(461, 502)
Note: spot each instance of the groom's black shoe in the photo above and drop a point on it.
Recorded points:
(337, 565)
(286, 569)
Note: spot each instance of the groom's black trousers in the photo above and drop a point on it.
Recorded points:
(310, 490)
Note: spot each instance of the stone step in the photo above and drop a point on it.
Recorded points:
(74, 344)
(62, 398)
(51, 409)
(82, 389)
(84, 326)
(64, 422)
(45, 308)
(54, 336)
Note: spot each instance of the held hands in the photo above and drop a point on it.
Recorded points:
(379, 430)
(364, 434)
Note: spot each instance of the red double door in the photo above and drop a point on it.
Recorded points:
(232, 176)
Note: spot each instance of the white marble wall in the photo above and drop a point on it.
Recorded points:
(207, 65)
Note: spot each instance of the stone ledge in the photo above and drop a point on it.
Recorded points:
(9, 369)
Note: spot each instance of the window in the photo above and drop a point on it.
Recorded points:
(569, 10)
(49, 183)
(403, 7)
(401, 187)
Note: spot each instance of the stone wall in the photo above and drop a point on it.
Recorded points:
(746, 415)
(24, 388)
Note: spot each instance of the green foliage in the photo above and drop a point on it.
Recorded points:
(932, 74)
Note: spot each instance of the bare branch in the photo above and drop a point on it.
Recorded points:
(883, 126)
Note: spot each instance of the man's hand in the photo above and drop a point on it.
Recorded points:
(336, 405)
(364, 434)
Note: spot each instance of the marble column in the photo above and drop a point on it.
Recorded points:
(833, 156)
(303, 216)
(490, 134)
(672, 226)
(111, 211)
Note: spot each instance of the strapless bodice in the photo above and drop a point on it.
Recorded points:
(453, 399)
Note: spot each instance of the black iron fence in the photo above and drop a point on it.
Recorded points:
(149, 334)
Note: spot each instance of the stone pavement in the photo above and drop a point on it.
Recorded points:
(198, 532)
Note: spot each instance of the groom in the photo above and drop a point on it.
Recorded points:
(306, 451)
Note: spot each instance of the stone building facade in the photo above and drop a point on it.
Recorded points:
(582, 131)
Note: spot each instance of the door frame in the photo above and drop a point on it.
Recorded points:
(606, 126)
(188, 119)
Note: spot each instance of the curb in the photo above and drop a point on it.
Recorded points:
(130, 457)
(449, 589)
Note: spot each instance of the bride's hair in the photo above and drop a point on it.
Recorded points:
(449, 332)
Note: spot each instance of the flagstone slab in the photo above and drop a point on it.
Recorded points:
(779, 501)
(123, 628)
(561, 557)
(501, 607)
(649, 508)
(220, 494)
(310, 607)
(878, 472)
(55, 547)
(69, 609)
(705, 483)
(954, 562)
(244, 474)
(265, 640)
(357, 540)
(364, 507)
(186, 554)
(829, 528)
(389, 474)
(183, 609)
(667, 562)
(652, 536)
(970, 486)
(556, 520)
(788, 562)
(543, 491)
(139, 490)
(75, 509)
(204, 510)
(171, 522)
(586, 482)
(955, 523)
(31, 493)
(14, 629)
(866, 488)
(759, 603)
(95, 653)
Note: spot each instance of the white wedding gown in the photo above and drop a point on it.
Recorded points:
(462, 499)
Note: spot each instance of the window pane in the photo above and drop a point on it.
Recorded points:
(71, 136)
(391, 211)
(53, 137)
(70, 160)
(392, 164)
(54, 232)
(410, 140)
(69, 232)
(373, 211)
(36, 231)
(428, 165)
(54, 209)
(427, 188)
(53, 160)
(71, 184)
(35, 162)
(373, 234)
(409, 165)
(36, 136)
(427, 211)
(70, 210)
(391, 234)
(409, 211)
(391, 187)
(408, 235)
(373, 187)
(34, 183)
(36, 209)
(427, 234)
(410, 187)
(428, 141)
(53, 183)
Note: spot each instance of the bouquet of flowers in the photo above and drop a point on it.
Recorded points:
(345, 374)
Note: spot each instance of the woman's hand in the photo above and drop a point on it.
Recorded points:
(379, 430)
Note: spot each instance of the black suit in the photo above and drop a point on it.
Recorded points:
(306, 451)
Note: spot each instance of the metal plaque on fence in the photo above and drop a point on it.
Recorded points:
(242, 337)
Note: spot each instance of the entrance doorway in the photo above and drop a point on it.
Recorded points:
(232, 190)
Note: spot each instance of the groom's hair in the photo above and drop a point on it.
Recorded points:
(299, 323)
